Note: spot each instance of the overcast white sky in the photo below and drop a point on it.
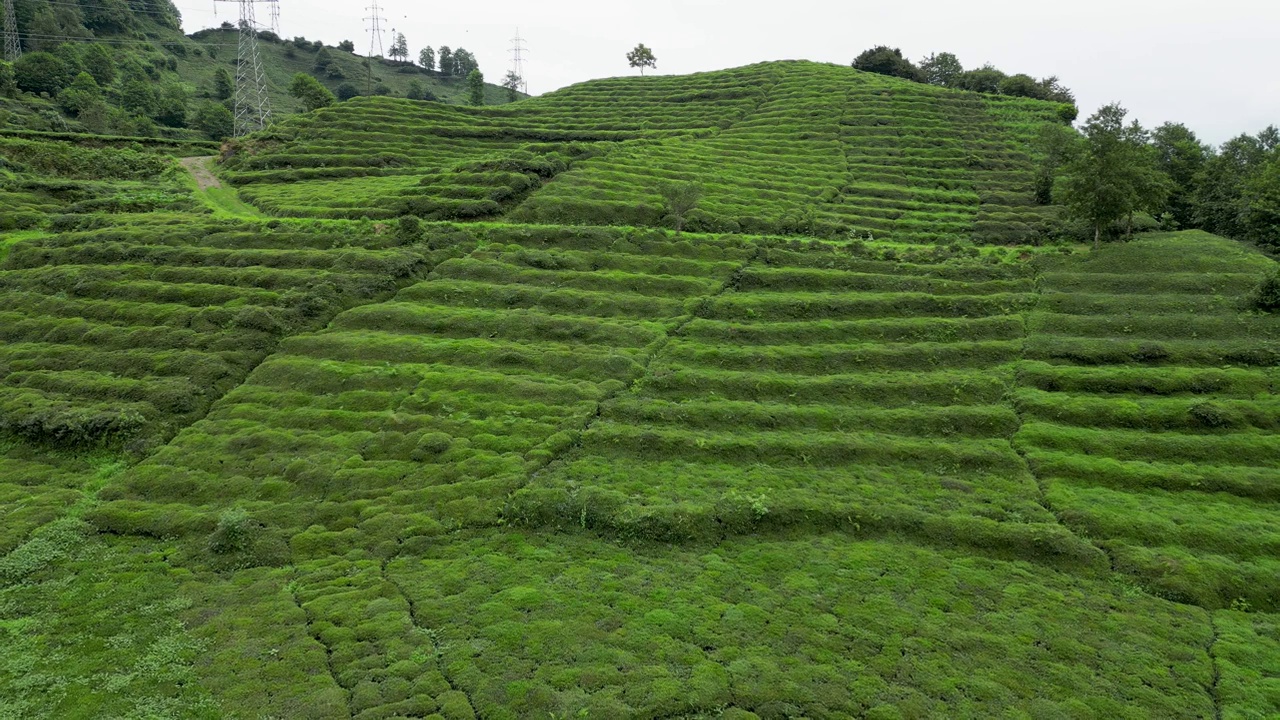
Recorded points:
(1212, 65)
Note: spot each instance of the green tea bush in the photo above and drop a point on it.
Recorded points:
(1266, 297)
(236, 533)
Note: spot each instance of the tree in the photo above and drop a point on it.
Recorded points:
(415, 91)
(512, 83)
(427, 59)
(985, 79)
(1053, 90)
(213, 119)
(170, 107)
(81, 94)
(346, 91)
(1056, 145)
(1220, 197)
(475, 87)
(347, 46)
(884, 60)
(942, 69)
(100, 63)
(8, 83)
(679, 199)
(400, 48)
(446, 60)
(223, 86)
(1021, 86)
(108, 16)
(42, 31)
(1181, 155)
(642, 57)
(1114, 174)
(464, 62)
(1262, 204)
(312, 94)
(323, 59)
(40, 72)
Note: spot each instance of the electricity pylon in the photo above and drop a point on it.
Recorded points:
(518, 50)
(12, 45)
(252, 101)
(376, 48)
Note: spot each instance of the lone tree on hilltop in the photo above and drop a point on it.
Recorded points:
(475, 87)
(312, 94)
(1114, 174)
(680, 198)
(642, 57)
(512, 83)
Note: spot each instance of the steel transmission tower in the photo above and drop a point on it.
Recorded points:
(252, 102)
(376, 48)
(12, 45)
(518, 51)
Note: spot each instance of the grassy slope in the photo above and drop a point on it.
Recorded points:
(515, 471)
(379, 455)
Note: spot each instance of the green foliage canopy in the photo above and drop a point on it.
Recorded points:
(312, 94)
(884, 60)
(642, 57)
(42, 72)
(475, 87)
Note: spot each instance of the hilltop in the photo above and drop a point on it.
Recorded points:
(782, 148)
(431, 411)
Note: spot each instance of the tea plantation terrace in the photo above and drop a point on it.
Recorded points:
(857, 445)
(781, 147)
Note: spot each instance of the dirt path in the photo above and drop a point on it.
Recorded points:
(200, 169)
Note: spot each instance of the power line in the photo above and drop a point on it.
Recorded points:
(252, 102)
(12, 46)
(518, 51)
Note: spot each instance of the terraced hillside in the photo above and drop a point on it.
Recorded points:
(607, 471)
(42, 174)
(334, 468)
(781, 147)
(1150, 414)
(130, 331)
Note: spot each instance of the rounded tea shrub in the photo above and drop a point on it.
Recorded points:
(1267, 297)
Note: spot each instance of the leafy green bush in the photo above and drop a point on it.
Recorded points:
(236, 533)
(41, 72)
(1266, 297)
